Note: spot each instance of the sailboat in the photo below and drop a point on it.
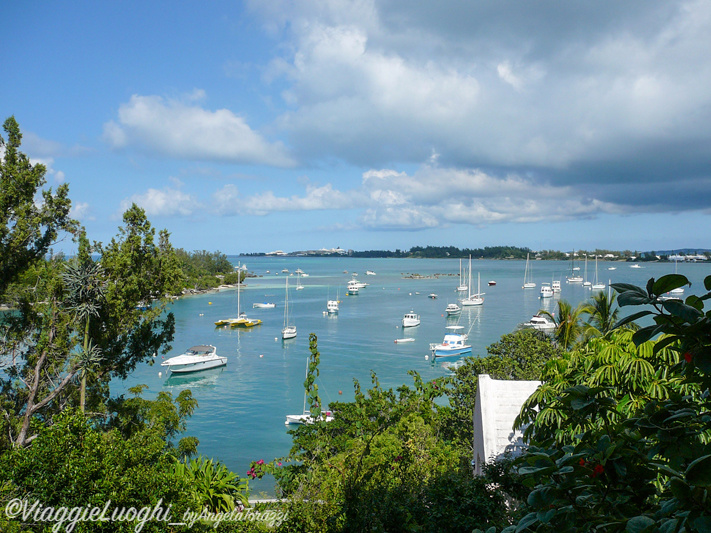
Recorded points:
(597, 286)
(299, 286)
(305, 417)
(241, 319)
(462, 287)
(473, 299)
(289, 330)
(574, 277)
(586, 283)
(528, 276)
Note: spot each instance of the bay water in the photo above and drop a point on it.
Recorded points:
(242, 406)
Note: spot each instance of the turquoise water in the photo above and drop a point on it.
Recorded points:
(242, 406)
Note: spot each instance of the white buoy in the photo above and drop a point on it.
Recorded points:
(427, 357)
(160, 374)
(261, 355)
(275, 338)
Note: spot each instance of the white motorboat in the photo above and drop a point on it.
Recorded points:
(540, 322)
(406, 339)
(452, 309)
(546, 290)
(453, 344)
(556, 285)
(357, 284)
(432, 295)
(369, 273)
(528, 276)
(289, 330)
(635, 266)
(200, 357)
(410, 319)
(332, 306)
(263, 305)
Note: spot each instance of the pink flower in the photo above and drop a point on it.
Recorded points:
(260, 462)
(279, 463)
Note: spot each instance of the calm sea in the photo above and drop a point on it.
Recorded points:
(242, 406)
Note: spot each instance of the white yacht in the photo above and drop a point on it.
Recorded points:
(556, 285)
(332, 306)
(263, 305)
(540, 322)
(410, 319)
(200, 357)
(546, 290)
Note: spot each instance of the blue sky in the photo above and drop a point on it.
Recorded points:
(369, 124)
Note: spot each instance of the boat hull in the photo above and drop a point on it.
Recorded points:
(196, 367)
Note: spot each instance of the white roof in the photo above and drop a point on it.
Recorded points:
(498, 403)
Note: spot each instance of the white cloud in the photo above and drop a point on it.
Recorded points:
(165, 202)
(184, 130)
(228, 201)
(81, 211)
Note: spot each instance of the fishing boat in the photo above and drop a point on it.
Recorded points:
(410, 319)
(196, 358)
(453, 344)
(289, 330)
(528, 276)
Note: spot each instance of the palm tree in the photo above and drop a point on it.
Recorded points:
(568, 328)
(602, 316)
(85, 290)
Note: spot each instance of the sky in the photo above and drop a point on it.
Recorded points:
(253, 126)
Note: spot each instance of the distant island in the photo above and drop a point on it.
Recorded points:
(500, 253)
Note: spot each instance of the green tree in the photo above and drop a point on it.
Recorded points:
(602, 315)
(27, 228)
(568, 325)
(52, 319)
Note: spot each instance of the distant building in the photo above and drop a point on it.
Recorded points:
(276, 252)
(498, 403)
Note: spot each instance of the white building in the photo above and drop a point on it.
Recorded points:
(498, 403)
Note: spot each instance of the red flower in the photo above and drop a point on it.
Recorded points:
(688, 357)
(599, 469)
(260, 462)
(582, 462)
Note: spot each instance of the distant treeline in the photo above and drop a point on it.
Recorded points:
(206, 270)
(435, 252)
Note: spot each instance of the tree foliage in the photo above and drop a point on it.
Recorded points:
(28, 225)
